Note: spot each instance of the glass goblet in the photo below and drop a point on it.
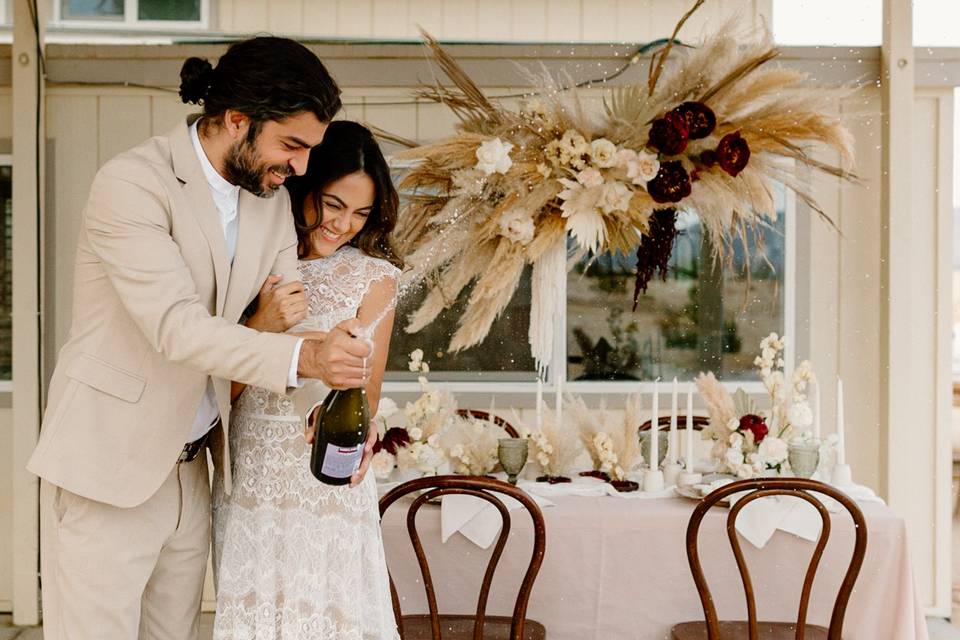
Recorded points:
(512, 453)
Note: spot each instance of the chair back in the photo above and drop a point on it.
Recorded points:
(761, 488)
(699, 422)
(483, 488)
(486, 415)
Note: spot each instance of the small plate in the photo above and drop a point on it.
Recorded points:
(692, 494)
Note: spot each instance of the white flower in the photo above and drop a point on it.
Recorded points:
(468, 182)
(382, 464)
(614, 196)
(544, 170)
(799, 415)
(733, 424)
(517, 225)
(416, 356)
(415, 433)
(643, 168)
(554, 152)
(736, 440)
(434, 441)
(386, 408)
(590, 177)
(773, 450)
(536, 109)
(603, 153)
(573, 143)
(734, 457)
(423, 381)
(624, 156)
(493, 156)
(424, 367)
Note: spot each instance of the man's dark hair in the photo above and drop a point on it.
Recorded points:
(265, 78)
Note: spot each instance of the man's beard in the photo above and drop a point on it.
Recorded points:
(244, 169)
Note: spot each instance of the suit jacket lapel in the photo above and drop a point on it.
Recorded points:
(247, 261)
(187, 168)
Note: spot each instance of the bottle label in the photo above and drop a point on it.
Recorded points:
(341, 462)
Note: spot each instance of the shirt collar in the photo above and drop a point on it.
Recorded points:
(217, 182)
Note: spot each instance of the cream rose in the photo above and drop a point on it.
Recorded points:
(493, 156)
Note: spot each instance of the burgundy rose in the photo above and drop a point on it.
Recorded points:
(755, 425)
(671, 184)
(700, 119)
(733, 153)
(393, 440)
(669, 134)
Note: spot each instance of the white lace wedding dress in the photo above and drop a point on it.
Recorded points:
(297, 559)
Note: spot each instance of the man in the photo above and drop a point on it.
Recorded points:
(177, 237)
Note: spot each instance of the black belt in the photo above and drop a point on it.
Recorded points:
(192, 449)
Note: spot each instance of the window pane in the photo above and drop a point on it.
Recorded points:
(179, 10)
(6, 279)
(828, 22)
(703, 318)
(935, 23)
(504, 355)
(92, 9)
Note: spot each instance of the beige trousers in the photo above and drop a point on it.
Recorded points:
(122, 574)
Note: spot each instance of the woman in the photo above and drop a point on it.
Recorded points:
(298, 559)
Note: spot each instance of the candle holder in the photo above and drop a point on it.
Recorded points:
(653, 480)
(688, 479)
(842, 475)
(671, 473)
(512, 453)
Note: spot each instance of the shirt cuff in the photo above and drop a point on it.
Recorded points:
(292, 379)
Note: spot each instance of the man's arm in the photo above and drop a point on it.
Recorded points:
(128, 228)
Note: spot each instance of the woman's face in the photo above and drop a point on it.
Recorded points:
(346, 203)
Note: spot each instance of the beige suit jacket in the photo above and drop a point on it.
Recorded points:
(155, 311)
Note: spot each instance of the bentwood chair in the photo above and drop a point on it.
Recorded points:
(486, 415)
(699, 422)
(751, 629)
(480, 626)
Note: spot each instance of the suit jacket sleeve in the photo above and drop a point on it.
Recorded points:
(128, 228)
(286, 262)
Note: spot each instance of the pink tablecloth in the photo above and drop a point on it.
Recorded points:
(618, 569)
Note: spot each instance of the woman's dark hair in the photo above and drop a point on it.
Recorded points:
(348, 148)
(265, 78)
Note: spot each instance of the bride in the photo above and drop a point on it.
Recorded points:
(297, 559)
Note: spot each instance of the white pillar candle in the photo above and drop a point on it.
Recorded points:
(815, 392)
(690, 429)
(559, 400)
(841, 446)
(539, 402)
(655, 428)
(674, 444)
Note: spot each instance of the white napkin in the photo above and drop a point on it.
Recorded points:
(761, 518)
(476, 518)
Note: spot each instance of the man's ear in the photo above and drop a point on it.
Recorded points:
(236, 123)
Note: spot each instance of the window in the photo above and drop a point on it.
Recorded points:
(6, 263)
(827, 22)
(158, 14)
(701, 318)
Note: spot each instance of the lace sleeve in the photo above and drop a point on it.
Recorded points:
(380, 292)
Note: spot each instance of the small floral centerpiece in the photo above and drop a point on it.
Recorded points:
(555, 447)
(471, 445)
(749, 441)
(610, 440)
(415, 446)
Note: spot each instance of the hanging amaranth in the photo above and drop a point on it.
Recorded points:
(653, 254)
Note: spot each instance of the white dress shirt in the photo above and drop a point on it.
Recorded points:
(225, 197)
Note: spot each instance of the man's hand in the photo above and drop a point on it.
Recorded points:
(279, 307)
(338, 361)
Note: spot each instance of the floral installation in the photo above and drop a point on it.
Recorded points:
(610, 439)
(705, 133)
(471, 445)
(749, 441)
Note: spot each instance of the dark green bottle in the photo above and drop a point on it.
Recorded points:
(342, 425)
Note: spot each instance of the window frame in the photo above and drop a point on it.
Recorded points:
(6, 160)
(130, 22)
(595, 388)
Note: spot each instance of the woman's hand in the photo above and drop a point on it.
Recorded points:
(279, 307)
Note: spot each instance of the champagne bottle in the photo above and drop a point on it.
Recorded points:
(341, 431)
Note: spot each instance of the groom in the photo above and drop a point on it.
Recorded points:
(177, 236)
